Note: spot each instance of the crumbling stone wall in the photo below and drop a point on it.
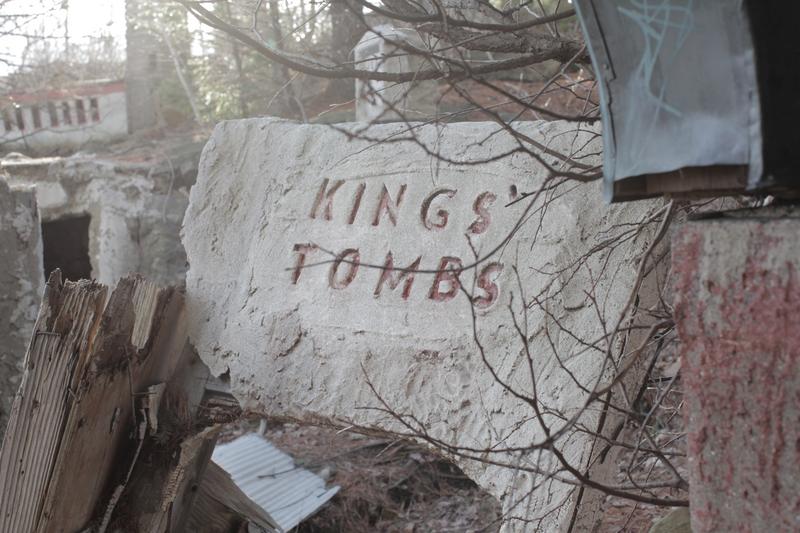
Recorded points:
(135, 211)
(21, 283)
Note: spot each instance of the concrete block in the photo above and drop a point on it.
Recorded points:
(380, 101)
(297, 241)
(737, 307)
(21, 285)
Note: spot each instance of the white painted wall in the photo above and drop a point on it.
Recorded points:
(111, 122)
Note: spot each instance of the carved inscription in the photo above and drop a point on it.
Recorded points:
(398, 275)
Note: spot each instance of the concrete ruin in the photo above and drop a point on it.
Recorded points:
(21, 284)
(381, 101)
(103, 218)
(324, 273)
(91, 217)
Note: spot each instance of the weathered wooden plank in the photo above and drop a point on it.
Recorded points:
(684, 183)
(97, 449)
(181, 448)
(65, 327)
(106, 431)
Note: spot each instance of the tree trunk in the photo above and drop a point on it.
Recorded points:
(347, 30)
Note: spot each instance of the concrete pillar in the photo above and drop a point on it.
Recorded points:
(738, 316)
(21, 284)
(379, 101)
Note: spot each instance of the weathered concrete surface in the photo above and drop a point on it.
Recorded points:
(21, 285)
(303, 341)
(135, 212)
(737, 309)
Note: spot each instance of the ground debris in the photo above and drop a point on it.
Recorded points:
(664, 402)
(105, 418)
(387, 485)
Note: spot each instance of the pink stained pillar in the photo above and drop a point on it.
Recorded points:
(737, 309)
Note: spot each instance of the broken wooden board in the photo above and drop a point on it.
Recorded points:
(66, 324)
(116, 370)
(104, 384)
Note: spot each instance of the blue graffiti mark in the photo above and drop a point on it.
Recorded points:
(655, 19)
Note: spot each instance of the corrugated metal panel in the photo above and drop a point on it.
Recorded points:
(270, 478)
(220, 505)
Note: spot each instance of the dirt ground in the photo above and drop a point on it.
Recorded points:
(386, 485)
(396, 486)
(399, 487)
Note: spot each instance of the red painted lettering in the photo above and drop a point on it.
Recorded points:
(350, 258)
(356, 203)
(448, 271)
(441, 214)
(486, 283)
(327, 196)
(481, 208)
(385, 203)
(388, 276)
(302, 250)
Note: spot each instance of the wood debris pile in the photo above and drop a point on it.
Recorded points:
(112, 428)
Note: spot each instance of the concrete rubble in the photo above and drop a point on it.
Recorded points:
(133, 203)
(299, 244)
(283, 234)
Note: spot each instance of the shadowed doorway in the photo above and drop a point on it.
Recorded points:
(66, 246)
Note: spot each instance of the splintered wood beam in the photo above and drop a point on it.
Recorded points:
(65, 327)
(106, 385)
(97, 448)
(222, 506)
